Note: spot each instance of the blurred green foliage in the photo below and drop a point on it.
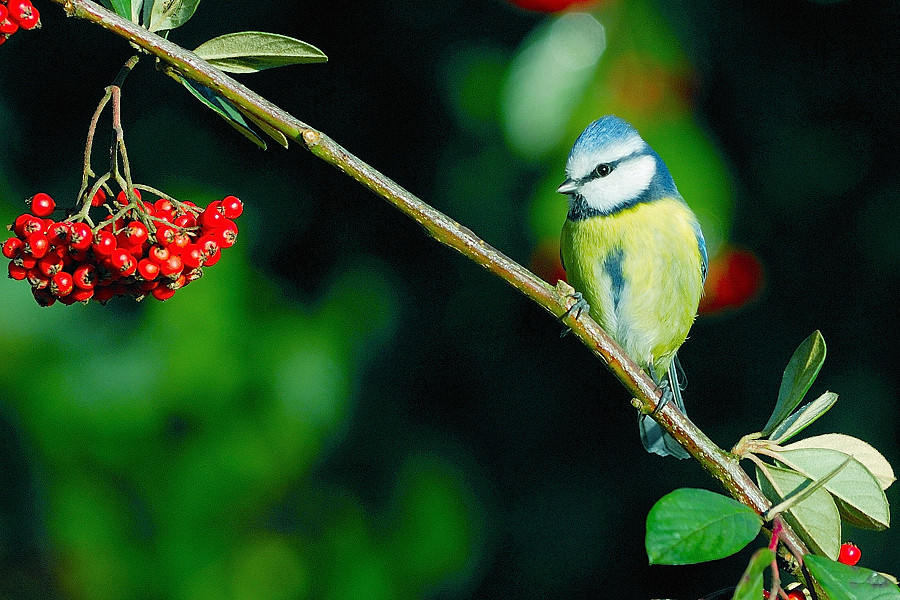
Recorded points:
(341, 408)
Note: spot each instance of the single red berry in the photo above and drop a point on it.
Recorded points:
(192, 256)
(850, 554)
(179, 242)
(42, 205)
(104, 294)
(213, 258)
(104, 243)
(165, 234)
(122, 262)
(99, 197)
(25, 260)
(81, 294)
(37, 279)
(158, 253)
(193, 275)
(147, 269)
(81, 236)
(8, 26)
(122, 198)
(232, 207)
(4, 12)
(12, 247)
(164, 215)
(51, 264)
(211, 217)
(135, 233)
(59, 233)
(185, 221)
(208, 244)
(226, 235)
(85, 276)
(162, 292)
(796, 594)
(163, 205)
(172, 267)
(16, 272)
(37, 244)
(27, 224)
(43, 297)
(62, 284)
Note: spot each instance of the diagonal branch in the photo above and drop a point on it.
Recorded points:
(721, 465)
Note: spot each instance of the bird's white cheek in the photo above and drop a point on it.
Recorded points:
(620, 187)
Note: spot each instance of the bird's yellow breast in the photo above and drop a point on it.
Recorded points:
(640, 271)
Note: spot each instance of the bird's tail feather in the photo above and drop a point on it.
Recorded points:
(655, 440)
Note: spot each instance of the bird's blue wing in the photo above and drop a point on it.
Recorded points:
(701, 244)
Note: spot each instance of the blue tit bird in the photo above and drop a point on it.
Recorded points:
(634, 250)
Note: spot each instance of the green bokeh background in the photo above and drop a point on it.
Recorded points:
(342, 408)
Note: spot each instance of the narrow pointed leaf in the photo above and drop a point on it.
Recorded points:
(843, 582)
(120, 7)
(750, 587)
(169, 14)
(270, 131)
(252, 51)
(816, 519)
(803, 417)
(137, 8)
(858, 449)
(689, 526)
(806, 490)
(854, 485)
(223, 108)
(798, 377)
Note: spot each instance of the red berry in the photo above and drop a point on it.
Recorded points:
(62, 284)
(179, 242)
(59, 233)
(172, 267)
(99, 197)
(104, 243)
(81, 294)
(163, 205)
(135, 233)
(213, 258)
(185, 221)
(162, 292)
(81, 236)
(51, 264)
(211, 217)
(226, 235)
(796, 594)
(12, 247)
(42, 205)
(104, 294)
(165, 234)
(27, 224)
(122, 262)
(4, 12)
(231, 207)
(850, 554)
(122, 198)
(37, 244)
(158, 253)
(85, 276)
(16, 272)
(8, 26)
(37, 279)
(192, 256)
(147, 269)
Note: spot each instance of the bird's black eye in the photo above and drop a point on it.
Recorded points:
(601, 170)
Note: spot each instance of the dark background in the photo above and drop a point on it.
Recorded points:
(343, 408)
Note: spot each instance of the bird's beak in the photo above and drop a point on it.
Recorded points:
(569, 186)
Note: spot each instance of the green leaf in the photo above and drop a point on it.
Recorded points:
(252, 51)
(858, 449)
(120, 7)
(803, 417)
(750, 587)
(224, 108)
(137, 7)
(798, 377)
(805, 491)
(854, 486)
(169, 14)
(843, 582)
(689, 526)
(271, 131)
(816, 518)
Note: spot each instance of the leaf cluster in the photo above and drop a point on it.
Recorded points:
(815, 484)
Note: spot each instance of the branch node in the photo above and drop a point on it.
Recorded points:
(311, 137)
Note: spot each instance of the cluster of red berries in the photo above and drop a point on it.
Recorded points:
(15, 14)
(154, 249)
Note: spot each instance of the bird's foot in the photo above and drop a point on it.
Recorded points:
(579, 306)
(667, 395)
